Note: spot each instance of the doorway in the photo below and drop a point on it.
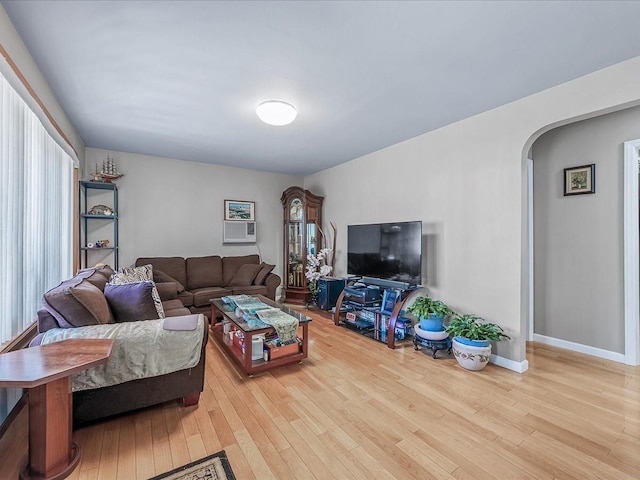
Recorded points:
(632, 252)
(587, 257)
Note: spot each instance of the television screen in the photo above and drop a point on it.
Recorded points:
(390, 251)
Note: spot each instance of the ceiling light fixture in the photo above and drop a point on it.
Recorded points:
(276, 112)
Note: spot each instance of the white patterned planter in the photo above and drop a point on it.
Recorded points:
(470, 357)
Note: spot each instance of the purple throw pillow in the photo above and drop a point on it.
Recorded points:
(131, 302)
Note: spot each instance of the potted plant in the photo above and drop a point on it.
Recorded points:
(472, 338)
(430, 312)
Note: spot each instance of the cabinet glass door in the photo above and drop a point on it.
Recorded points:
(295, 277)
(312, 240)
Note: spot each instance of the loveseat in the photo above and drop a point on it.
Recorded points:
(88, 302)
(196, 280)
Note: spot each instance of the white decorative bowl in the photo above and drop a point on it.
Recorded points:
(429, 335)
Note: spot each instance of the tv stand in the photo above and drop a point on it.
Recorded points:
(385, 307)
(380, 282)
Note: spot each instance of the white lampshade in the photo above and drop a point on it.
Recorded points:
(276, 112)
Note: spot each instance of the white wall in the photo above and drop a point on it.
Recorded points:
(15, 47)
(579, 239)
(466, 183)
(173, 207)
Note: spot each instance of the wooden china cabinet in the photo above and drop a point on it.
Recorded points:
(302, 236)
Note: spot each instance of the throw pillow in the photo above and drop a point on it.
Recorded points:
(92, 298)
(160, 277)
(97, 276)
(76, 303)
(139, 274)
(265, 270)
(133, 274)
(245, 275)
(131, 302)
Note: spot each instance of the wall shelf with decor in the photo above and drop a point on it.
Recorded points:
(94, 218)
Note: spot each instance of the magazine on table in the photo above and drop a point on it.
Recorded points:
(250, 304)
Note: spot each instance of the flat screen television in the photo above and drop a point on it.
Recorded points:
(389, 251)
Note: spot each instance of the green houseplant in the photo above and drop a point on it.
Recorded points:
(430, 312)
(472, 338)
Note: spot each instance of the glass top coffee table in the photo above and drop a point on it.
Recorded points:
(235, 335)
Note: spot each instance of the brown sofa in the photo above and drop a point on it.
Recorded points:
(196, 280)
(77, 302)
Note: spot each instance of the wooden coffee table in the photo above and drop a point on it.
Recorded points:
(243, 359)
(46, 371)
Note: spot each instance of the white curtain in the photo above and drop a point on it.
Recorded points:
(36, 213)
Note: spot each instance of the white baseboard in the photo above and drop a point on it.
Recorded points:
(577, 347)
(519, 367)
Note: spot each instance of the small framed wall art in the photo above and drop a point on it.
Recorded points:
(580, 180)
(239, 210)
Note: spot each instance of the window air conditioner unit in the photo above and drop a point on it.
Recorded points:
(239, 232)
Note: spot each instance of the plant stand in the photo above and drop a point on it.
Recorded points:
(433, 345)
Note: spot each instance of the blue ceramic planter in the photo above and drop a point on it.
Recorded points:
(472, 343)
(432, 324)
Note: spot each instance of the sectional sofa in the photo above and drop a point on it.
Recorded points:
(196, 280)
(85, 302)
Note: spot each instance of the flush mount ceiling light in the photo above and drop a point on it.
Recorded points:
(276, 112)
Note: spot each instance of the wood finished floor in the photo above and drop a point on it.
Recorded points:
(358, 410)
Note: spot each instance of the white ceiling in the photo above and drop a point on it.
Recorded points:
(181, 79)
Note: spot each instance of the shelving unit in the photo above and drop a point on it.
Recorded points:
(87, 220)
(374, 319)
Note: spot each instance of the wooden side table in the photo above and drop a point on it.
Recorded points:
(46, 371)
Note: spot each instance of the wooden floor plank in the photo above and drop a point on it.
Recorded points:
(177, 441)
(356, 409)
(127, 449)
(91, 447)
(108, 469)
(144, 444)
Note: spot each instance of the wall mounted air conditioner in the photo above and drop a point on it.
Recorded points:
(238, 232)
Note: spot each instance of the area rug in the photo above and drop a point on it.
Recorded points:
(213, 467)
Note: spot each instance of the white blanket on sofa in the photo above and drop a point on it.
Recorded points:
(141, 349)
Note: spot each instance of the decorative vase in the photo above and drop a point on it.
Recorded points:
(432, 323)
(314, 298)
(471, 357)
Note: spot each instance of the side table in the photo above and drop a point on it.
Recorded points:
(46, 371)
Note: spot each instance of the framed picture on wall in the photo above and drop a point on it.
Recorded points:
(239, 210)
(580, 180)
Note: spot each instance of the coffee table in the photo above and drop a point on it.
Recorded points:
(243, 359)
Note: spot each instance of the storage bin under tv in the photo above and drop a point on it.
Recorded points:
(375, 315)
